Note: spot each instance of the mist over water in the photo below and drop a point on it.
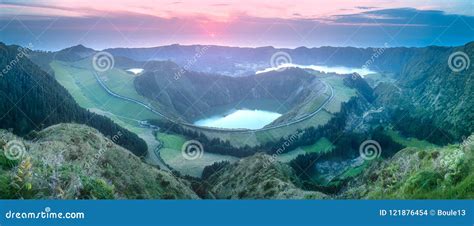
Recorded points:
(243, 119)
(135, 71)
(337, 70)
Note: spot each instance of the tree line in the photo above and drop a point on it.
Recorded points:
(31, 99)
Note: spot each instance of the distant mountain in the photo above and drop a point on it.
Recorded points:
(31, 99)
(235, 61)
(74, 53)
(71, 54)
(238, 61)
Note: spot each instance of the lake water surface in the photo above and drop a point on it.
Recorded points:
(257, 118)
(239, 119)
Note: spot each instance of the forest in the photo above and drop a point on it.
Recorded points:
(31, 100)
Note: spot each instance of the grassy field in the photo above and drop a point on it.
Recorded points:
(171, 140)
(342, 93)
(79, 80)
(351, 172)
(322, 145)
(409, 141)
(121, 82)
(82, 85)
(171, 154)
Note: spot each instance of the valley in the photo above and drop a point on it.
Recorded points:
(115, 84)
(292, 131)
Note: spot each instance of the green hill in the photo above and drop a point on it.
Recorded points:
(31, 99)
(417, 173)
(193, 95)
(257, 177)
(429, 100)
(71, 161)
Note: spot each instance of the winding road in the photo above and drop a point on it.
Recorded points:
(109, 91)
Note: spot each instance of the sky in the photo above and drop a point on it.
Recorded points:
(53, 24)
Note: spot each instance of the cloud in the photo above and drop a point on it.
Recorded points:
(220, 4)
(30, 10)
(102, 29)
(365, 7)
(402, 17)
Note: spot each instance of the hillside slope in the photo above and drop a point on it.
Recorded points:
(191, 94)
(71, 161)
(31, 99)
(436, 97)
(73, 53)
(258, 177)
(412, 173)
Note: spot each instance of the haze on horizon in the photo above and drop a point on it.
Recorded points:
(53, 25)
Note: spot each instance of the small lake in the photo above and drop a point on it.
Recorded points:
(337, 70)
(240, 119)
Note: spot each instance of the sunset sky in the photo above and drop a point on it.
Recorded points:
(52, 24)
